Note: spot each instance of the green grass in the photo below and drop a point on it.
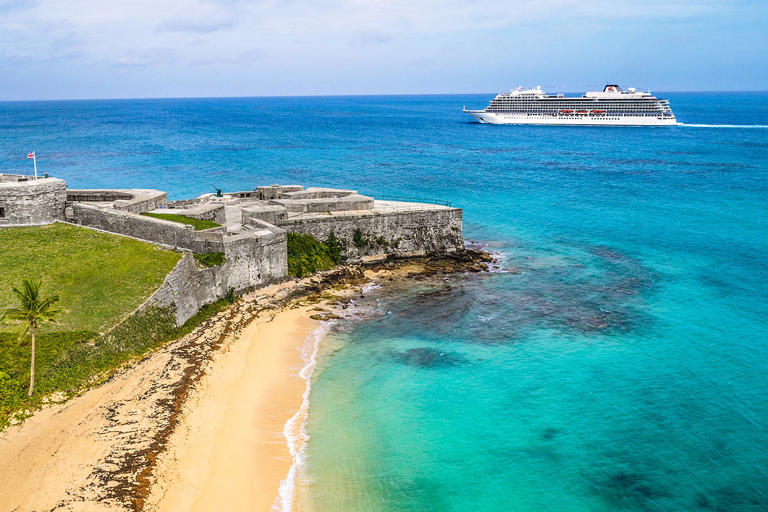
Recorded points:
(198, 224)
(307, 255)
(100, 278)
(69, 362)
(210, 259)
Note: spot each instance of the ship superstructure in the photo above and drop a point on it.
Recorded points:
(611, 106)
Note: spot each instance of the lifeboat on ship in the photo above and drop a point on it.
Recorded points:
(597, 112)
(581, 112)
(566, 111)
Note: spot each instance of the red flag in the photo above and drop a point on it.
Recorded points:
(31, 155)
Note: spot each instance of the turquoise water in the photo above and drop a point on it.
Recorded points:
(617, 362)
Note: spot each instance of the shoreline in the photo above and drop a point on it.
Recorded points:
(104, 450)
(295, 429)
(228, 448)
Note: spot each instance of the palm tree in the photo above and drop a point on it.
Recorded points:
(34, 311)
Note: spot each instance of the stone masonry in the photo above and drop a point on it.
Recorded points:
(25, 200)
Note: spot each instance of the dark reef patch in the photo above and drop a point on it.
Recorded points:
(629, 490)
(733, 498)
(549, 433)
(435, 309)
(426, 357)
(593, 290)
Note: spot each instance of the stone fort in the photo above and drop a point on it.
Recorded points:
(252, 231)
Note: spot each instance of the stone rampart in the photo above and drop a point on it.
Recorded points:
(398, 233)
(256, 258)
(148, 228)
(272, 213)
(126, 200)
(25, 201)
(187, 289)
(326, 204)
(251, 261)
(316, 193)
(275, 191)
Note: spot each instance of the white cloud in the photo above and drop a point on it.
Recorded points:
(300, 39)
(104, 31)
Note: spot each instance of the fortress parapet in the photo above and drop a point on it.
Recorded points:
(26, 201)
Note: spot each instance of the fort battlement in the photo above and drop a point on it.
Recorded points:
(27, 201)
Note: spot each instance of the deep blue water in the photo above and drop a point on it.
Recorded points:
(618, 363)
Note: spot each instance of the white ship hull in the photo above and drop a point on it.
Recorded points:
(577, 120)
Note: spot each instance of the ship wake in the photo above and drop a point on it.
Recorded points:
(723, 125)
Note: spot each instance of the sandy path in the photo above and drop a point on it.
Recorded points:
(228, 451)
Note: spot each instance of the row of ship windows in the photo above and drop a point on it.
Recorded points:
(577, 107)
(609, 116)
(595, 100)
(539, 105)
(539, 111)
(559, 104)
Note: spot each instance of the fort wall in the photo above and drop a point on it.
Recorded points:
(151, 229)
(28, 201)
(125, 200)
(397, 233)
(251, 261)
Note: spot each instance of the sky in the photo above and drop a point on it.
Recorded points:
(61, 49)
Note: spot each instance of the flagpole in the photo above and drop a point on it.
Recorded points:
(34, 161)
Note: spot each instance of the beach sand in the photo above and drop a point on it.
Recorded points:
(225, 392)
(228, 451)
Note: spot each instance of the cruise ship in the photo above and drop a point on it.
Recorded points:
(612, 106)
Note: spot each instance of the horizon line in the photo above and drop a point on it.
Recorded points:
(331, 96)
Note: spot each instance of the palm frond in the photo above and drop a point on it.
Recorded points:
(24, 331)
(14, 314)
(33, 310)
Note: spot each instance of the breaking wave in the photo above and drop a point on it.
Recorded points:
(295, 430)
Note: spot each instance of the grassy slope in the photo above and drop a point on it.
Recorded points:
(99, 277)
(198, 224)
(70, 362)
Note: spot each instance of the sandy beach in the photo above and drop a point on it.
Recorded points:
(195, 425)
(228, 450)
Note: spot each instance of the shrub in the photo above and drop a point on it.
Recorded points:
(359, 239)
(307, 255)
(334, 248)
(210, 259)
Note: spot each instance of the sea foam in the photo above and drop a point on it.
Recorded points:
(295, 429)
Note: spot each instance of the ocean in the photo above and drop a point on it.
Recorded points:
(616, 361)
